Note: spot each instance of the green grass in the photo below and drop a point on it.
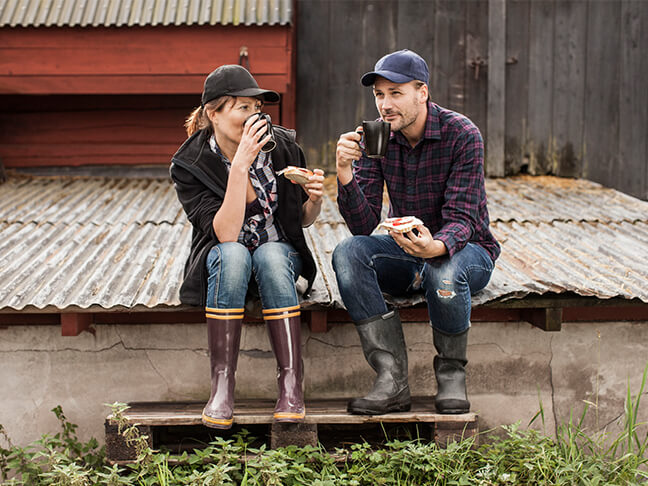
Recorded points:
(513, 456)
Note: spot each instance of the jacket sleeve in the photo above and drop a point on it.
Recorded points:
(198, 201)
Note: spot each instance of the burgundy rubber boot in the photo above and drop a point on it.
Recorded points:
(284, 328)
(224, 338)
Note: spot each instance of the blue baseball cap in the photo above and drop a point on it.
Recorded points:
(399, 67)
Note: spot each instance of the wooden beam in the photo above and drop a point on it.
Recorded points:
(548, 319)
(317, 320)
(75, 324)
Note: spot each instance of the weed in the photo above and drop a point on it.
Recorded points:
(520, 457)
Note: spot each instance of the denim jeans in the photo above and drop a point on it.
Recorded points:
(367, 266)
(275, 265)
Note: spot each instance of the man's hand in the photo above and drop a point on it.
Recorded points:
(420, 245)
(348, 150)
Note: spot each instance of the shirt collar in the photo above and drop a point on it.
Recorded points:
(432, 130)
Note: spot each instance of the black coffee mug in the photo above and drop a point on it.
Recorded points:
(376, 136)
(270, 144)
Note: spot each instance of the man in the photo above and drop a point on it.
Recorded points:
(433, 170)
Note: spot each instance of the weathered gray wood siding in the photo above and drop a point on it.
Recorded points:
(575, 81)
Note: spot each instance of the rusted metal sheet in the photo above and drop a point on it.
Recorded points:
(128, 13)
(119, 244)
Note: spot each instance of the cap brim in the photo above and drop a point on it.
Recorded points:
(369, 79)
(266, 94)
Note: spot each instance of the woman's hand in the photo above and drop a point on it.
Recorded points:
(315, 186)
(251, 142)
(315, 190)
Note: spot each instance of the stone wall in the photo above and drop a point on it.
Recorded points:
(513, 370)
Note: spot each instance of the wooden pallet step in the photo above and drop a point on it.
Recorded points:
(323, 417)
(321, 411)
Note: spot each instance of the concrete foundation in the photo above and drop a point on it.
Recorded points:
(514, 371)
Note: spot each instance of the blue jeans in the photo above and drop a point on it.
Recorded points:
(276, 266)
(367, 266)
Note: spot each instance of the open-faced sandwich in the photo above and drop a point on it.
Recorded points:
(299, 175)
(401, 225)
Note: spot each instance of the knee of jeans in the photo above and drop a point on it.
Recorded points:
(346, 252)
(229, 257)
(270, 255)
(442, 287)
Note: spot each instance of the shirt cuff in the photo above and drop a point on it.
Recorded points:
(449, 241)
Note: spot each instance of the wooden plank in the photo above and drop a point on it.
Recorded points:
(632, 176)
(95, 60)
(227, 36)
(448, 67)
(74, 135)
(101, 60)
(356, 102)
(569, 86)
(496, 108)
(541, 34)
(121, 84)
(321, 411)
(602, 92)
(517, 86)
(312, 78)
(476, 48)
(110, 51)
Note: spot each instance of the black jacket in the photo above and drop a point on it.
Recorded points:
(200, 179)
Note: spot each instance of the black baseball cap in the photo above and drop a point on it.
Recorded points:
(399, 67)
(234, 80)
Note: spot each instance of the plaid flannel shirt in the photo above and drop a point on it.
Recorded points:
(440, 181)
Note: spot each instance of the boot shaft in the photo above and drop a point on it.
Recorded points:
(451, 346)
(284, 330)
(450, 372)
(224, 338)
(383, 345)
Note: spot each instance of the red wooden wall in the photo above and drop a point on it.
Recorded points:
(86, 96)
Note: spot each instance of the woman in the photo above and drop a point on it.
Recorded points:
(247, 229)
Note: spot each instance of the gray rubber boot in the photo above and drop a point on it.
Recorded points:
(383, 345)
(450, 370)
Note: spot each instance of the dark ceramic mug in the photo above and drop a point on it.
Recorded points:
(270, 144)
(376, 137)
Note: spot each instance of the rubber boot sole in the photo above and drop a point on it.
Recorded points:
(217, 423)
(456, 406)
(399, 403)
(289, 417)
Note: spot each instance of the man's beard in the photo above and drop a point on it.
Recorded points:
(405, 119)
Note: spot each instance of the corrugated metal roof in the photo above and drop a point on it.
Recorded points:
(128, 13)
(83, 242)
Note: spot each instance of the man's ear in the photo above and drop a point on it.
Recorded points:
(423, 94)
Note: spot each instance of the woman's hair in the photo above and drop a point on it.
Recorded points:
(198, 118)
